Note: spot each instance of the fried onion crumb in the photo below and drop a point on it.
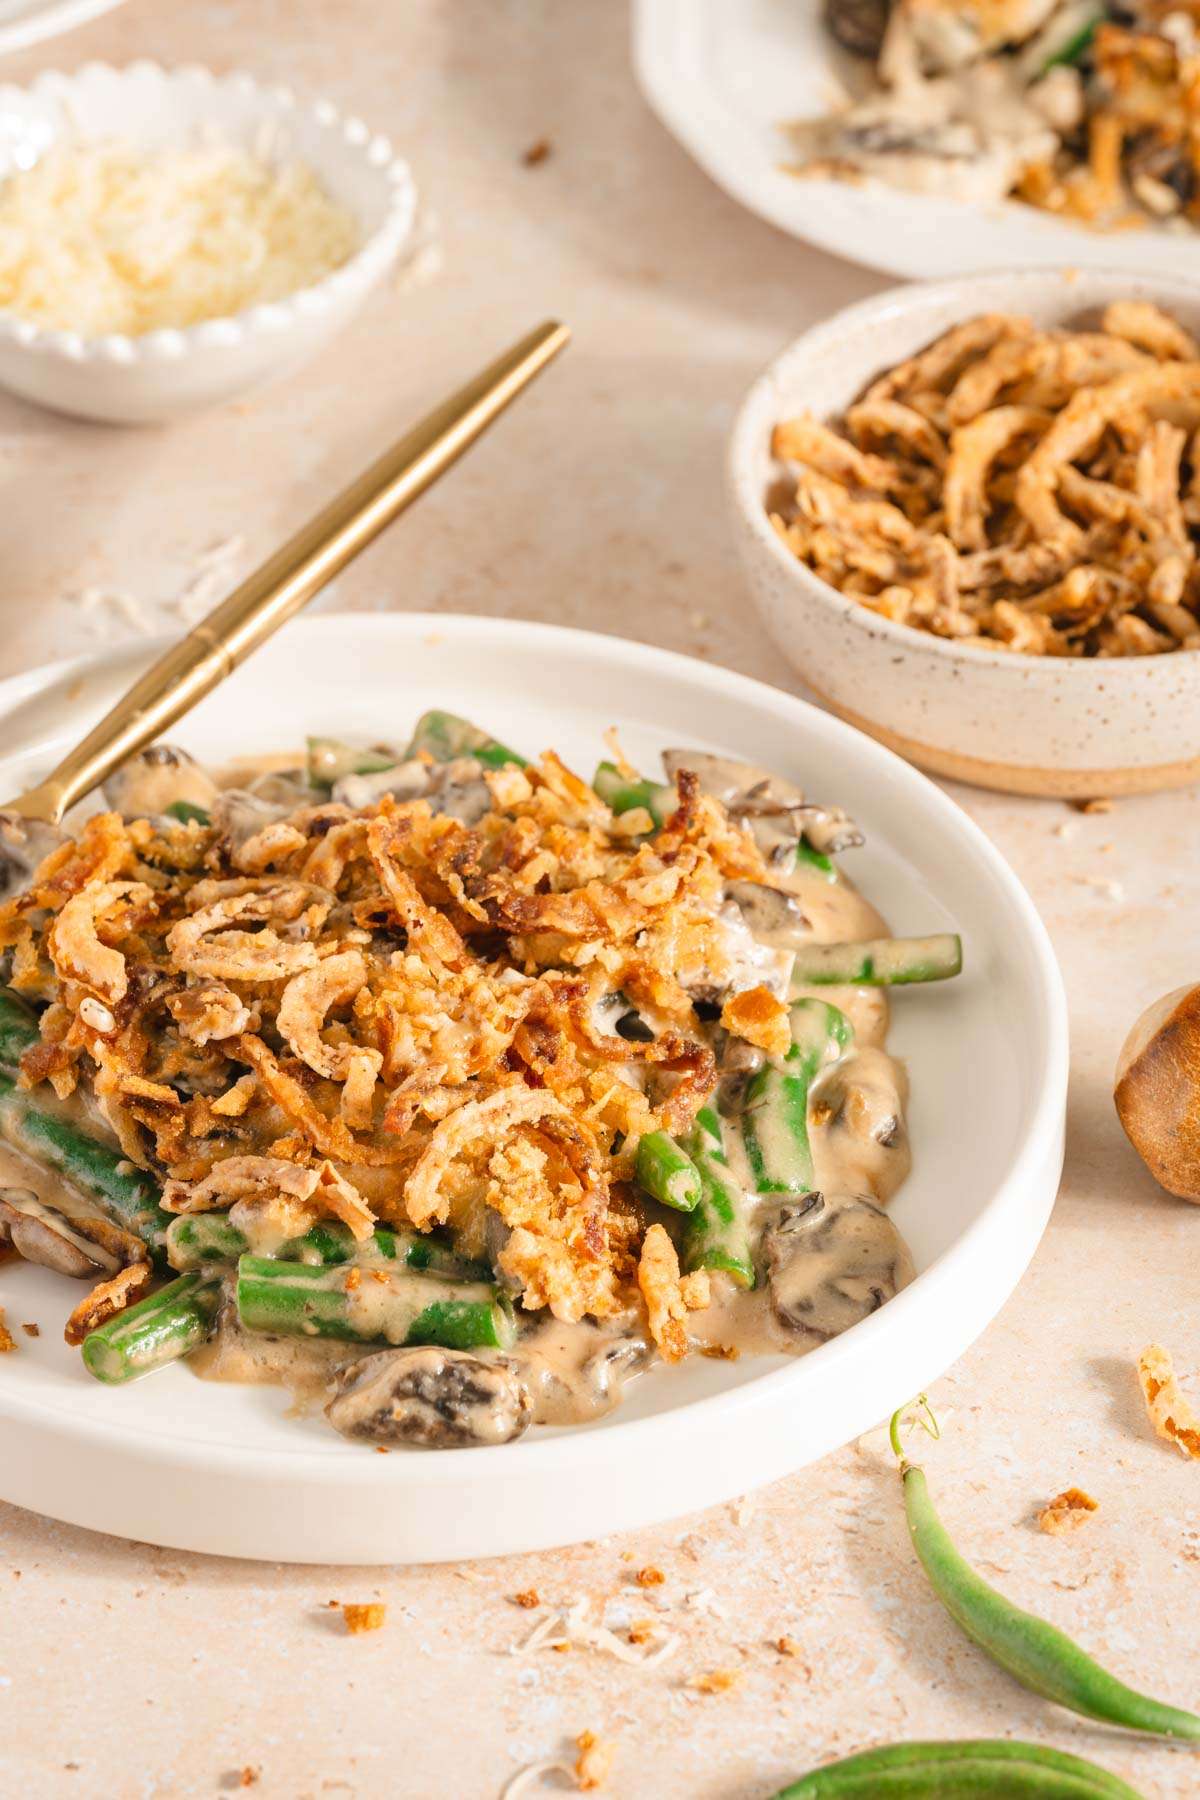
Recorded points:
(593, 1765)
(715, 1681)
(369, 1617)
(528, 1598)
(30, 1329)
(7, 1340)
(787, 1646)
(1067, 1512)
(1168, 1407)
(650, 1576)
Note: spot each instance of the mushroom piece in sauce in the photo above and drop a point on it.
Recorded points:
(42, 1235)
(777, 809)
(831, 1259)
(432, 1398)
(161, 776)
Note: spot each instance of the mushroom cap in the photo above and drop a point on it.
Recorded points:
(1157, 1091)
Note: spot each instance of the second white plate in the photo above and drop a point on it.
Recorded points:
(199, 1466)
(724, 78)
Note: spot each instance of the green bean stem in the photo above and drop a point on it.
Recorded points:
(775, 1117)
(95, 1169)
(202, 1240)
(975, 1768)
(18, 1029)
(878, 962)
(444, 736)
(164, 1326)
(667, 1172)
(717, 1234)
(1034, 1652)
(297, 1299)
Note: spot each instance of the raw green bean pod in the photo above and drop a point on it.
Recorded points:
(973, 1768)
(1037, 1654)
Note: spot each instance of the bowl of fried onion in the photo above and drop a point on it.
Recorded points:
(969, 513)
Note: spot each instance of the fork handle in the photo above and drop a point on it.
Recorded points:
(290, 578)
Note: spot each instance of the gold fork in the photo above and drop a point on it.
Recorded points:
(288, 580)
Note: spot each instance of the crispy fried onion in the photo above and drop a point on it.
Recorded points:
(307, 999)
(209, 1012)
(1170, 1412)
(106, 1299)
(668, 1296)
(201, 943)
(331, 1136)
(271, 1186)
(75, 948)
(490, 1119)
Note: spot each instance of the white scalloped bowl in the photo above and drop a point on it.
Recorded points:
(158, 376)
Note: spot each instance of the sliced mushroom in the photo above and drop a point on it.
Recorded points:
(43, 1235)
(156, 778)
(831, 1260)
(774, 918)
(23, 844)
(432, 1398)
(776, 810)
(858, 25)
(857, 1110)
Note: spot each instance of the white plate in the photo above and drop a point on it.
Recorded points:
(198, 1466)
(725, 75)
(25, 22)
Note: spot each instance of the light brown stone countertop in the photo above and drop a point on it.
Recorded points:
(128, 1672)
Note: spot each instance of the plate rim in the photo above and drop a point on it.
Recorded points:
(582, 1449)
(1051, 240)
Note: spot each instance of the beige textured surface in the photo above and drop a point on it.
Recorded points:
(130, 1672)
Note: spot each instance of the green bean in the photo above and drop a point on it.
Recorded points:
(973, 1768)
(444, 736)
(187, 813)
(157, 1330)
(816, 860)
(1035, 1653)
(202, 1240)
(775, 1115)
(667, 1173)
(96, 1169)
(18, 1029)
(328, 760)
(622, 793)
(878, 962)
(305, 1300)
(716, 1232)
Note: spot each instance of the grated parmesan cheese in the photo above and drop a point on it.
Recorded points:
(98, 238)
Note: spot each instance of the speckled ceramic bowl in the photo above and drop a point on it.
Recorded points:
(1027, 724)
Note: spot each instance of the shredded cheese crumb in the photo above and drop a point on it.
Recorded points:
(1067, 1511)
(364, 1618)
(1170, 1414)
(99, 238)
(559, 1631)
